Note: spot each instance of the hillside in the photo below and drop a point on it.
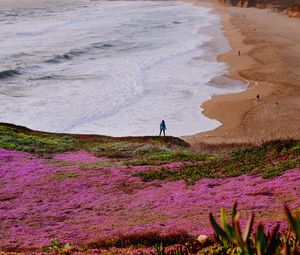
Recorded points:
(99, 192)
(290, 7)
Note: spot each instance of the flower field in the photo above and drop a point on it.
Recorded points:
(97, 190)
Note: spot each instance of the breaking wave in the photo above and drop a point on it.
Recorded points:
(58, 58)
(9, 73)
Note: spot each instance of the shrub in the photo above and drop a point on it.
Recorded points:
(150, 149)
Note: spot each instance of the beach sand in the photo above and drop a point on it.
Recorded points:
(269, 61)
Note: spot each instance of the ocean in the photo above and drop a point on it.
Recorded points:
(110, 67)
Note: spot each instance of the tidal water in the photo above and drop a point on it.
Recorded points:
(114, 68)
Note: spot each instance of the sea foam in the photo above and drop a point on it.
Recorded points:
(113, 68)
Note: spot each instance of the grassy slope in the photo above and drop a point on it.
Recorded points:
(24, 139)
(269, 160)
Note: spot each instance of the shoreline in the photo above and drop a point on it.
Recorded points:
(264, 52)
(176, 102)
(270, 61)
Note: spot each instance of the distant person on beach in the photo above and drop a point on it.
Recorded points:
(239, 52)
(257, 97)
(162, 127)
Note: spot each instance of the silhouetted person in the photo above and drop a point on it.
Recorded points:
(162, 127)
(239, 53)
(257, 97)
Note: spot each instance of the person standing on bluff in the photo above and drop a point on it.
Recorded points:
(162, 127)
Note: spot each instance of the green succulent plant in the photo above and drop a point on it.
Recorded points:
(235, 241)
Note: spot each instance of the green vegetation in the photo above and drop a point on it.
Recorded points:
(155, 152)
(58, 247)
(132, 150)
(65, 175)
(232, 240)
(41, 143)
(23, 139)
(269, 160)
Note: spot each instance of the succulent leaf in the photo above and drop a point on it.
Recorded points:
(294, 222)
(260, 243)
(219, 231)
(274, 242)
(248, 229)
(234, 210)
(224, 220)
(237, 233)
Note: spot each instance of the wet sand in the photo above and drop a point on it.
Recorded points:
(269, 62)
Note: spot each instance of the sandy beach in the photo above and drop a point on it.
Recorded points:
(269, 62)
